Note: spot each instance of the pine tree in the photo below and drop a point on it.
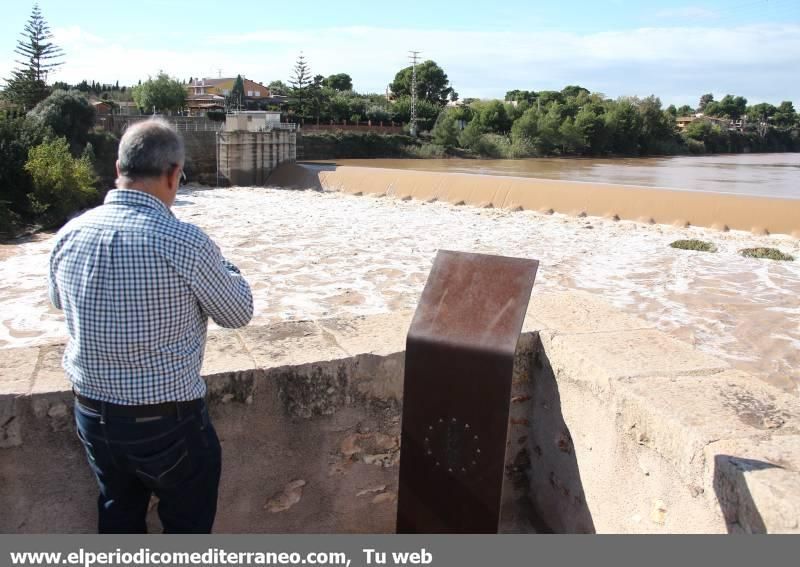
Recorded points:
(300, 82)
(236, 98)
(28, 83)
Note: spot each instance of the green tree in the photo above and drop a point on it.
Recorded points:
(236, 96)
(162, 94)
(67, 114)
(656, 127)
(704, 101)
(445, 132)
(685, 110)
(432, 83)
(761, 112)
(525, 130)
(730, 106)
(378, 113)
(15, 183)
(785, 115)
(27, 85)
(624, 124)
(427, 112)
(61, 183)
(492, 116)
(300, 81)
(546, 98)
(318, 96)
(278, 88)
(550, 139)
(589, 122)
(339, 82)
(572, 91)
(521, 96)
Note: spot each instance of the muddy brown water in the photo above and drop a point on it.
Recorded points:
(763, 175)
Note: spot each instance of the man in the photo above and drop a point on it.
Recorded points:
(137, 287)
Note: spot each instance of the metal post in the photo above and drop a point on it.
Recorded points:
(457, 389)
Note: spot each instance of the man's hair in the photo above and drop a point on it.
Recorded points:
(149, 149)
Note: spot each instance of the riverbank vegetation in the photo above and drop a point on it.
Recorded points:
(768, 253)
(694, 244)
(48, 149)
(576, 122)
(569, 122)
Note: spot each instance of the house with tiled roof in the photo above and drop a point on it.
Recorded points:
(211, 94)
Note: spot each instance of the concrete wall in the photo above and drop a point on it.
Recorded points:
(614, 427)
(201, 156)
(247, 158)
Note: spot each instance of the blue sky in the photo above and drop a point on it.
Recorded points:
(677, 50)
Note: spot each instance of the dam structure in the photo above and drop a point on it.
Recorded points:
(251, 145)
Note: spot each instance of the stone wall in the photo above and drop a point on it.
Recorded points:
(339, 144)
(201, 156)
(614, 427)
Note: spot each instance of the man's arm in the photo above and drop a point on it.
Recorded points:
(52, 285)
(223, 293)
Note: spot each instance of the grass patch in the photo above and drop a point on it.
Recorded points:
(698, 245)
(768, 253)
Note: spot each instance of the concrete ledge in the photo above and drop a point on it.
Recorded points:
(614, 427)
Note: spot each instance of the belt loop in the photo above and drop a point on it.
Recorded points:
(103, 413)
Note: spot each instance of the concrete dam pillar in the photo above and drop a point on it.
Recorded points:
(247, 158)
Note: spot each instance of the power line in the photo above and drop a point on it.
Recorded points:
(414, 57)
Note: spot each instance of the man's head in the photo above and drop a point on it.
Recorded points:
(150, 159)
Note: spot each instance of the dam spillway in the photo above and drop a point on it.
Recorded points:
(760, 215)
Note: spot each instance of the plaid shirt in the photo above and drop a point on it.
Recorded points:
(137, 287)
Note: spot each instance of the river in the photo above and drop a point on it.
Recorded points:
(312, 255)
(764, 175)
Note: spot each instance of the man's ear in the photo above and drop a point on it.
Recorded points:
(116, 166)
(175, 177)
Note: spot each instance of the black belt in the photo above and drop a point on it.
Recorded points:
(146, 410)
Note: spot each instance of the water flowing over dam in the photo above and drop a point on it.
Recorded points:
(759, 214)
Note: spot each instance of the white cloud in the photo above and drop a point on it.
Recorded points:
(677, 63)
(688, 13)
(74, 35)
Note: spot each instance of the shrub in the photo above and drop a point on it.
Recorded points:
(66, 113)
(62, 184)
(105, 146)
(768, 253)
(698, 245)
(216, 115)
(445, 132)
(9, 220)
(695, 147)
(15, 183)
(427, 151)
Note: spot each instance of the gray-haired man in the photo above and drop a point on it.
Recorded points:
(137, 287)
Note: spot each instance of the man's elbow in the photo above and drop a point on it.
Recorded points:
(237, 318)
(55, 300)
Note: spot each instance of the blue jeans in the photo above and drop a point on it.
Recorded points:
(177, 458)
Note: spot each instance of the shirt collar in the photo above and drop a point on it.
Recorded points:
(135, 198)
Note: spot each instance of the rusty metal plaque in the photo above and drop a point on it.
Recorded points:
(456, 395)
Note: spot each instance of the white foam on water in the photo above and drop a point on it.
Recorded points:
(311, 255)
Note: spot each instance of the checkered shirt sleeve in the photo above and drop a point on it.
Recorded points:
(137, 287)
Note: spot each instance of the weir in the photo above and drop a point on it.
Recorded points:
(760, 215)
